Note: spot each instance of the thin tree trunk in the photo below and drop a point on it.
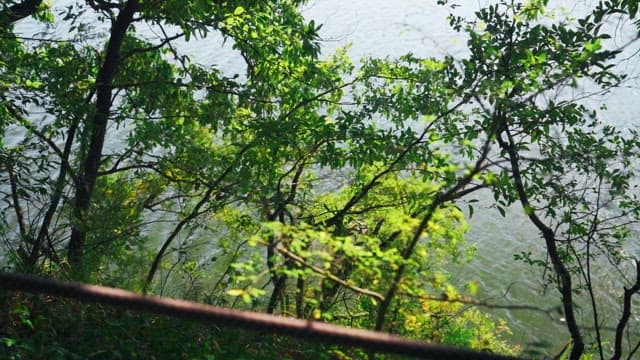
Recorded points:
(564, 277)
(97, 128)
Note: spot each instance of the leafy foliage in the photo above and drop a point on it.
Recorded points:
(304, 186)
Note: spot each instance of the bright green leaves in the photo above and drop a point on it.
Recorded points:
(304, 183)
(591, 47)
(52, 69)
(238, 11)
(319, 255)
(453, 324)
(116, 222)
(43, 13)
(358, 242)
(194, 18)
(273, 41)
(533, 9)
(531, 56)
(148, 80)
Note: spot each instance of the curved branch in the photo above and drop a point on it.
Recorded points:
(482, 303)
(338, 216)
(192, 215)
(439, 199)
(564, 277)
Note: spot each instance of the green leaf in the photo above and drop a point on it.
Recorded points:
(238, 11)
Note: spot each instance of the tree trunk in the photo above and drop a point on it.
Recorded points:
(97, 128)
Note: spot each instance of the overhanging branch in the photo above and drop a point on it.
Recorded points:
(18, 11)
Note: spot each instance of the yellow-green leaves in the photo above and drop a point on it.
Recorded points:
(533, 9)
(247, 295)
(238, 11)
(593, 46)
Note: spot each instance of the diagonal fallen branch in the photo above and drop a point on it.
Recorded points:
(282, 250)
(306, 329)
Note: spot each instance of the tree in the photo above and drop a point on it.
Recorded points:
(552, 154)
(304, 186)
(246, 156)
(151, 90)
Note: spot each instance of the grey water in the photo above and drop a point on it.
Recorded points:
(380, 28)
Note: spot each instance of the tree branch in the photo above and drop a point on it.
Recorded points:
(97, 131)
(303, 329)
(18, 11)
(282, 250)
(439, 199)
(564, 277)
(192, 215)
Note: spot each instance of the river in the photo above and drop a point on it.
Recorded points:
(381, 28)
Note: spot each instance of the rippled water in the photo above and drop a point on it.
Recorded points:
(391, 28)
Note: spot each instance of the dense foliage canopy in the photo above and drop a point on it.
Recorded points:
(306, 185)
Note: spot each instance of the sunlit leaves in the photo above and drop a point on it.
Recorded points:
(305, 180)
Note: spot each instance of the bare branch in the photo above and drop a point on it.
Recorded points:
(282, 250)
(304, 329)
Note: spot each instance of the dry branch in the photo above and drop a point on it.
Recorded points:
(306, 329)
